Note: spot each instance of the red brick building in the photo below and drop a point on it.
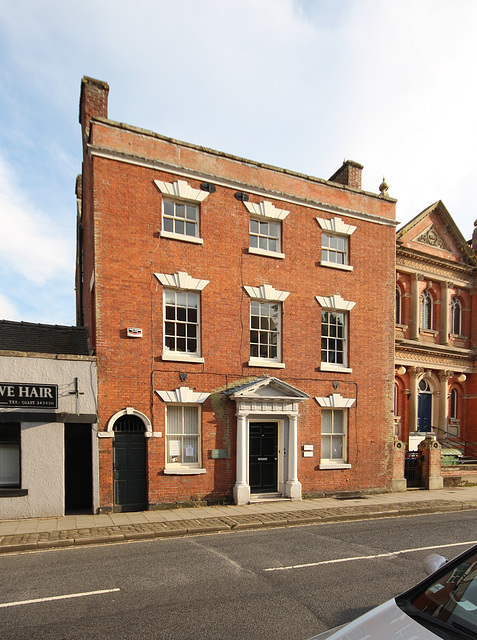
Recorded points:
(436, 330)
(241, 347)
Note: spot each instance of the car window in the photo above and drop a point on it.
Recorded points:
(451, 598)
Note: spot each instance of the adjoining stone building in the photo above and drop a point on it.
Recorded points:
(47, 421)
(436, 330)
(240, 350)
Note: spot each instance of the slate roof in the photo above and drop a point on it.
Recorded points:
(43, 338)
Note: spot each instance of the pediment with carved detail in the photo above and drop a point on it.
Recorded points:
(432, 238)
(434, 233)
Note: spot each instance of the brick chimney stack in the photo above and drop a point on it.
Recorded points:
(93, 101)
(349, 174)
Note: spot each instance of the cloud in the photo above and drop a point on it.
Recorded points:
(411, 103)
(31, 245)
(8, 310)
(294, 83)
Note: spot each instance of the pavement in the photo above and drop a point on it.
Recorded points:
(32, 534)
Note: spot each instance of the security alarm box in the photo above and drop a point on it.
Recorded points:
(134, 332)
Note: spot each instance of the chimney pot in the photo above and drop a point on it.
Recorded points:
(349, 174)
(93, 101)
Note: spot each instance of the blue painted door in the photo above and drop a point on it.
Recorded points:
(424, 412)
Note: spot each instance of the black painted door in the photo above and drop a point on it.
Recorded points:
(129, 471)
(263, 457)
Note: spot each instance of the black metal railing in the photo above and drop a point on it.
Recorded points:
(467, 449)
(413, 468)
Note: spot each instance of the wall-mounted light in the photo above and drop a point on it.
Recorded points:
(210, 188)
(462, 377)
(243, 197)
(336, 384)
(401, 371)
(182, 376)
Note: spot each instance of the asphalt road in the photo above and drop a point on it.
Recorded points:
(269, 584)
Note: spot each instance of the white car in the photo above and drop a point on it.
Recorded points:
(444, 605)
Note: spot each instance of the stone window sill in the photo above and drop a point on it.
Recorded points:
(184, 238)
(176, 357)
(265, 253)
(183, 472)
(259, 362)
(331, 465)
(335, 265)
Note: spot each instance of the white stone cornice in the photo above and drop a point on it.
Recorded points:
(181, 280)
(181, 189)
(267, 292)
(335, 302)
(266, 209)
(183, 395)
(335, 401)
(336, 225)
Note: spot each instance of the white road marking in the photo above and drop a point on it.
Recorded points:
(65, 597)
(379, 555)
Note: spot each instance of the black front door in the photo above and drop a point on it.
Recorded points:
(129, 465)
(263, 457)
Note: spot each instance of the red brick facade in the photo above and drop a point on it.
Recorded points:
(436, 330)
(127, 260)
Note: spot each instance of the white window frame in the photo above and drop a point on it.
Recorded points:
(179, 439)
(182, 282)
(455, 313)
(335, 228)
(342, 435)
(191, 302)
(327, 248)
(266, 213)
(334, 403)
(264, 318)
(177, 219)
(181, 193)
(330, 304)
(267, 294)
(426, 306)
(264, 233)
(183, 397)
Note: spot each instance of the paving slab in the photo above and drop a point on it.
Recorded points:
(42, 533)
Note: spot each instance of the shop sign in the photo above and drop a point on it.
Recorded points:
(14, 394)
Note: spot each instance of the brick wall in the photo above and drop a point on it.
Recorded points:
(122, 218)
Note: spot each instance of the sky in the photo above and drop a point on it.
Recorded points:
(299, 84)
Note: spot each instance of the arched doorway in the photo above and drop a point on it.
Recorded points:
(129, 464)
(424, 406)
